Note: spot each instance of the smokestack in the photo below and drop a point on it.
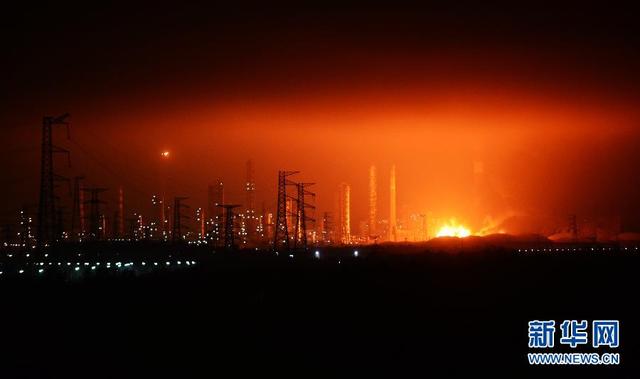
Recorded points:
(373, 201)
(345, 213)
(393, 216)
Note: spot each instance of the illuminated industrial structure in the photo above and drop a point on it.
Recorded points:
(250, 219)
(344, 210)
(216, 212)
(261, 227)
(229, 232)
(328, 235)
(393, 216)
(163, 203)
(200, 219)
(373, 202)
(25, 234)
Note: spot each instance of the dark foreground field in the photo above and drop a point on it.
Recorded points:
(382, 313)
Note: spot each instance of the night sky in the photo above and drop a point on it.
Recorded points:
(545, 96)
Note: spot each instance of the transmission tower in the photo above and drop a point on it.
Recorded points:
(300, 241)
(47, 223)
(178, 216)
(281, 234)
(229, 235)
(96, 227)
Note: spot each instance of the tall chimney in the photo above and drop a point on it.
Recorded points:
(393, 216)
(345, 213)
(373, 201)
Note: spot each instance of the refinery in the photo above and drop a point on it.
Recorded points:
(294, 224)
(349, 189)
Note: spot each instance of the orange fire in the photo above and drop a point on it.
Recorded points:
(453, 229)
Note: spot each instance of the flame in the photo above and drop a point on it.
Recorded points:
(453, 230)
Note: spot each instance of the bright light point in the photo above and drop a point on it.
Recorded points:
(317, 254)
(77, 268)
(41, 271)
(20, 271)
(165, 154)
(453, 230)
(355, 253)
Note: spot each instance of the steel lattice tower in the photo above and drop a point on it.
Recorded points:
(176, 233)
(301, 215)
(229, 236)
(281, 234)
(96, 227)
(47, 215)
